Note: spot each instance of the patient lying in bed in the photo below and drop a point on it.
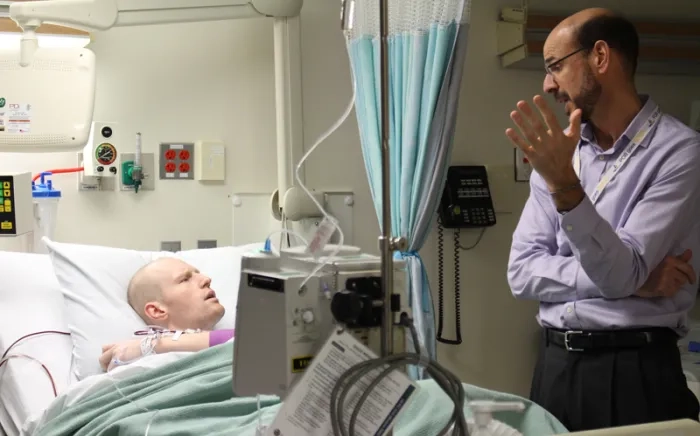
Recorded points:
(174, 296)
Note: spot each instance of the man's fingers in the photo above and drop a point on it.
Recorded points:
(525, 128)
(685, 256)
(547, 114)
(532, 118)
(688, 272)
(575, 123)
(519, 142)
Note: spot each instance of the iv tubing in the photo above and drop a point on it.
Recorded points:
(326, 215)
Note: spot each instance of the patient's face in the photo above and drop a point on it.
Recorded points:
(187, 298)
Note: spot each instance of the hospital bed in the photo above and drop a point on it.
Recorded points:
(35, 296)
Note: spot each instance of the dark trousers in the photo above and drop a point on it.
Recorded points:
(612, 387)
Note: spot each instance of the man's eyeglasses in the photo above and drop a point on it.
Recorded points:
(553, 67)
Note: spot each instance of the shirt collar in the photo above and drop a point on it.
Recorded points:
(648, 106)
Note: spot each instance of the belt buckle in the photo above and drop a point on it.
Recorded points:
(567, 340)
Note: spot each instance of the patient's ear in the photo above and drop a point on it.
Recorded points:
(155, 311)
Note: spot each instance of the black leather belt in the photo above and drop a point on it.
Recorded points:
(576, 340)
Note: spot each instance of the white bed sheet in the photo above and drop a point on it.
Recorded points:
(30, 301)
(94, 383)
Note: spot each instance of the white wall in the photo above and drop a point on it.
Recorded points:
(197, 81)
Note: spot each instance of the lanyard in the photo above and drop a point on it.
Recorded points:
(624, 156)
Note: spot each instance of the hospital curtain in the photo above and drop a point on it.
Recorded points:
(427, 48)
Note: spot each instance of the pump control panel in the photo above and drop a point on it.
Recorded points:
(16, 210)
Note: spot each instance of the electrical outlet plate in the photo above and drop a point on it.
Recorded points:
(206, 243)
(172, 246)
(176, 161)
(89, 183)
(148, 163)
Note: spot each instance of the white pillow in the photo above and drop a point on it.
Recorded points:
(94, 279)
(30, 301)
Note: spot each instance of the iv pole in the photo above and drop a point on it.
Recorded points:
(386, 244)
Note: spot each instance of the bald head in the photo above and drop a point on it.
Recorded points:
(588, 29)
(147, 285)
(172, 294)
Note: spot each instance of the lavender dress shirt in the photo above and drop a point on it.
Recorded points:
(585, 265)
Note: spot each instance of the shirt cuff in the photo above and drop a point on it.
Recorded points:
(579, 222)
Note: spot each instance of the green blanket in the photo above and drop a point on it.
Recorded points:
(193, 396)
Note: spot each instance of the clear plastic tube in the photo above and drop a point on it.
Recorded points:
(268, 240)
(320, 140)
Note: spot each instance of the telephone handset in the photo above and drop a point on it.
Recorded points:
(466, 203)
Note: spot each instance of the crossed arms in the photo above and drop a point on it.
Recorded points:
(605, 263)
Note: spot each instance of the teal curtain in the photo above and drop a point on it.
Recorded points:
(427, 48)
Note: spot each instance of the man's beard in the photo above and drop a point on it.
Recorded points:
(587, 98)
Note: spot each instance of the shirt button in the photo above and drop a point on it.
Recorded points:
(569, 228)
(569, 310)
(601, 157)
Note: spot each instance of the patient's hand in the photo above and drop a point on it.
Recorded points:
(120, 353)
(669, 277)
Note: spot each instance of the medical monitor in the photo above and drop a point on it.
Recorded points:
(48, 105)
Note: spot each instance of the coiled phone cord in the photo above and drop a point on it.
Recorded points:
(441, 288)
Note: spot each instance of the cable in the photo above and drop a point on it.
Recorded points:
(46, 370)
(7, 356)
(322, 138)
(441, 288)
(445, 379)
(268, 241)
(478, 239)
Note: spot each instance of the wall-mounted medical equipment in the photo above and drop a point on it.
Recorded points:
(61, 116)
(101, 151)
(99, 157)
(132, 170)
(16, 222)
(280, 325)
(36, 115)
(466, 203)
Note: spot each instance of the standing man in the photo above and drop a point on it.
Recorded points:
(609, 239)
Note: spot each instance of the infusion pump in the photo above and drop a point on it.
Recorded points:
(280, 324)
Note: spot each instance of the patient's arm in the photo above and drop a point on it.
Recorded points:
(187, 342)
(127, 351)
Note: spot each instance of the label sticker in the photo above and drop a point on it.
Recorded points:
(323, 234)
(19, 118)
(299, 364)
(306, 410)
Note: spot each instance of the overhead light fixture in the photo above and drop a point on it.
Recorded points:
(49, 36)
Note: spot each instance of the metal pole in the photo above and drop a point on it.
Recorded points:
(385, 241)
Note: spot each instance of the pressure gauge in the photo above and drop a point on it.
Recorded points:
(106, 154)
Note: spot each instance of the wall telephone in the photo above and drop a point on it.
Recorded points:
(466, 203)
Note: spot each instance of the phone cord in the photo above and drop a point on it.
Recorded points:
(441, 302)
